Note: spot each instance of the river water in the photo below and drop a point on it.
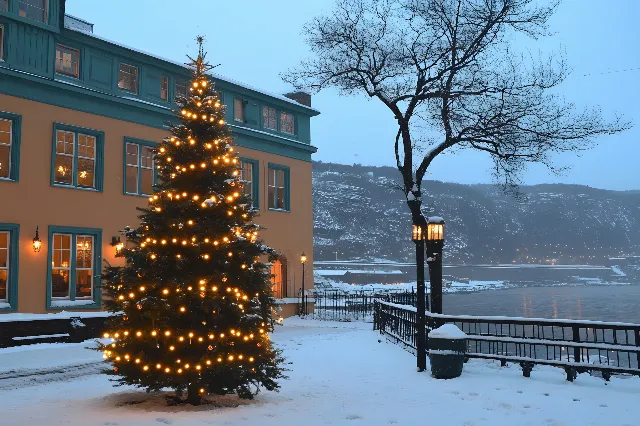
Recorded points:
(619, 303)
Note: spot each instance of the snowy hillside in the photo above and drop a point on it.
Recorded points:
(359, 212)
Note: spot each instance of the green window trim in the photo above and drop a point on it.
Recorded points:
(287, 187)
(14, 253)
(99, 157)
(255, 180)
(16, 129)
(140, 143)
(96, 233)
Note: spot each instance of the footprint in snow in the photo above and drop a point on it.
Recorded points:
(546, 394)
(473, 394)
(165, 421)
(576, 399)
(353, 417)
(526, 406)
(604, 405)
(519, 391)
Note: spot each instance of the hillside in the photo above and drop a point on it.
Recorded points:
(360, 212)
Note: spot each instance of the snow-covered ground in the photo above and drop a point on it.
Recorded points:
(341, 374)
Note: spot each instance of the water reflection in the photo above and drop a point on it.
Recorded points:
(604, 303)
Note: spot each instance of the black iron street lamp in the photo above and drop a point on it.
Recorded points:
(418, 236)
(303, 305)
(435, 244)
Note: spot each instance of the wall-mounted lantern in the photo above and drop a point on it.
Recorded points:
(117, 243)
(36, 242)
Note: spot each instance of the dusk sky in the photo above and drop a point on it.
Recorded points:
(254, 41)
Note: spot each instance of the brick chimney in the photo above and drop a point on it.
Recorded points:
(301, 97)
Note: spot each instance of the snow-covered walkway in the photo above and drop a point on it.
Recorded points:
(340, 375)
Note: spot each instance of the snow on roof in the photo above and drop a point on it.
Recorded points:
(435, 219)
(68, 25)
(448, 331)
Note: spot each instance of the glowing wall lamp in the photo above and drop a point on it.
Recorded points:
(36, 242)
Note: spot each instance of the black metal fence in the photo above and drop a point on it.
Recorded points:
(577, 346)
(339, 305)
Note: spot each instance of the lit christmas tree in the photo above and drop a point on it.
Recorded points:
(195, 295)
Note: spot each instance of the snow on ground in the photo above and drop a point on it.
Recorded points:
(342, 374)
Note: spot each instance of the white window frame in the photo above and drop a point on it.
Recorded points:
(7, 266)
(55, 269)
(246, 179)
(128, 72)
(277, 186)
(139, 167)
(10, 145)
(74, 163)
(90, 268)
(76, 71)
(63, 154)
(84, 157)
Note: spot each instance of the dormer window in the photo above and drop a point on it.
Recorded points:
(286, 123)
(67, 60)
(36, 10)
(128, 78)
(4, 5)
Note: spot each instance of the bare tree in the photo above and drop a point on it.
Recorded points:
(449, 73)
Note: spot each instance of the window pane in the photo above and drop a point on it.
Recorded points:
(272, 204)
(147, 181)
(86, 146)
(132, 180)
(5, 161)
(60, 283)
(132, 154)
(63, 169)
(286, 122)
(128, 78)
(181, 89)
(269, 118)
(147, 157)
(238, 110)
(84, 249)
(84, 283)
(4, 277)
(164, 88)
(246, 174)
(67, 60)
(4, 4)
(33, 9)
(5, 131)
(86, 172)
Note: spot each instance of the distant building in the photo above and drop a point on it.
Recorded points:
(79, 118)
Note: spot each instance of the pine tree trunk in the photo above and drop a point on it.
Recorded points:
(193, 395)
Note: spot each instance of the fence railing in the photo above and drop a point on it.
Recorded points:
(339, 305)
(577, 346)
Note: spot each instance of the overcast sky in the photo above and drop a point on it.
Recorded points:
(255, 40)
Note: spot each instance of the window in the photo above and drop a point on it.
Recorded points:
(164, 88)
(238, 110)
(278, 187)
(36, 10)
(286, 123)
(139, 174)
(181, 90)
(9, 145)
(67, 60)
(4, 5)
(279, 278)
(8, 265)
(269, 118)
(128, 78)
(77, 160)
(74, 255)
(249, 174)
